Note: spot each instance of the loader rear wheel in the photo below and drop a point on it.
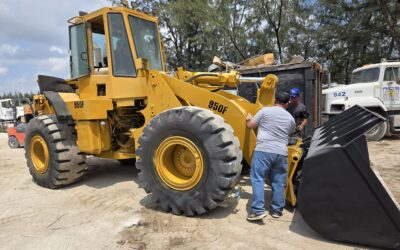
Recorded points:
(189, 159)
(51, 152)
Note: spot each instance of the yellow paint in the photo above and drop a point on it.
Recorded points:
(235, 114)
(39, 154)
(116, 155)
(86, 109)
(266, 59)
(295, 153)
(266, 94)
(179, 163)
(41, 106)
(93, 136)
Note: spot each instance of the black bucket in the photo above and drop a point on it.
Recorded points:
(340, 196)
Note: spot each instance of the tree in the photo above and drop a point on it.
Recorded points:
(341, 35)
(389, 10)
(274, 13)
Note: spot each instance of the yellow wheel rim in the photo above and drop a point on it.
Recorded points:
(39, 154)
(179, 163)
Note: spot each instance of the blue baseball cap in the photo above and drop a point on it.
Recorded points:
(295, 92)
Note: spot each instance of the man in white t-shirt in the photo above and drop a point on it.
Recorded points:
(275, 125)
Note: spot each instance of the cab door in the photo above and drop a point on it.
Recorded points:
(390, 89)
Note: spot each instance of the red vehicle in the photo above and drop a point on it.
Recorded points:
(16, 133)
(15, 138)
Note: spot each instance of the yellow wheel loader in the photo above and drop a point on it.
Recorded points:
(187, 134)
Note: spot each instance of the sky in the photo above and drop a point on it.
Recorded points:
(34, 40)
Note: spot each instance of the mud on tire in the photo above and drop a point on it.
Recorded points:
(218, 146)
(66, 164)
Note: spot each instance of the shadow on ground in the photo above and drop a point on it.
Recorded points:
(103, 173)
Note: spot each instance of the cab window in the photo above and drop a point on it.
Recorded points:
(6, 104)
(391, 74)
(99, 52)
(121, 55)
(145, 36)
(78, 47)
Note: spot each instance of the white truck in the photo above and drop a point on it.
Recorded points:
(6, 111)
(375, 87)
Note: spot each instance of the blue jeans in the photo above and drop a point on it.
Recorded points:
(275, 167)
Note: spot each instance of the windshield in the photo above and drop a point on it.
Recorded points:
(366, 75)
(147, 45)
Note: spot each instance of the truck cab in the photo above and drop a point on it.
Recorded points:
(375, 87)
(6, 110)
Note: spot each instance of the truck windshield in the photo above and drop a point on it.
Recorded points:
(147, 45)
(366, 75)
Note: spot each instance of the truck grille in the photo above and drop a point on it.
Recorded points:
(337, 107)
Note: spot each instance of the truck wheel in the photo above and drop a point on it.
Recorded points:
(378, 132)
(13, 142)
(52, 155)
(189, 159)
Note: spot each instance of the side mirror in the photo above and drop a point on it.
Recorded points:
(142, 64)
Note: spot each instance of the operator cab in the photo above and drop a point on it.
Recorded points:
(117, 37)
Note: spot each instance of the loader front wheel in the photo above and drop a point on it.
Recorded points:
(189, 159)
(51, 152)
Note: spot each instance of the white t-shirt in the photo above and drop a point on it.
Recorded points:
(275, 125)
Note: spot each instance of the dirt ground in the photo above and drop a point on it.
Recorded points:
(107, 210)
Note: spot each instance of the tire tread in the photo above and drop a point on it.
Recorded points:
(67, 164)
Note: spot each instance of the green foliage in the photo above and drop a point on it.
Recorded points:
(17, 96)
(341, 35)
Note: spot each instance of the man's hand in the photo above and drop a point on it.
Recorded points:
(248, 117)
(250, 123)
(302, 124)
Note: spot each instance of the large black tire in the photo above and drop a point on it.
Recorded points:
(66, 164)
(13, 142)
(218, 146)
(377, 133)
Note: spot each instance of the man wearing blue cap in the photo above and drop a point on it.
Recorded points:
(297, 109)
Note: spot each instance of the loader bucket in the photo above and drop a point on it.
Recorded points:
(340, 196)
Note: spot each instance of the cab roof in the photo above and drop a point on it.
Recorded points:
(376, 65)
(105, 10)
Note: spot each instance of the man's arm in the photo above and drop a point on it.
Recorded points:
(304, 115)
(250, 122)
(303, 124)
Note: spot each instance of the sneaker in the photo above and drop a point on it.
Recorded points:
(276, 214)
(253, 216)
